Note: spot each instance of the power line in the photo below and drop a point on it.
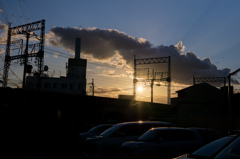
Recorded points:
(9, 80)
(12, 71)
(4, 14)
(20, 11)
(9, 6)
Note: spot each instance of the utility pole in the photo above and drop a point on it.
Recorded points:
(134, 79)
(92, 87)
(25, 61)
(7, 58)
(154, 61)
(229, 99)
(39, 54)
(152, 81)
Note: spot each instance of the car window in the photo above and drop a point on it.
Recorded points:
(212, 147)
(178, 135)
(150, 135)
(232, 151)
(132, 130)
(145, 127)
(111, 130)
(168, 135)
(102, 128)
(208, 135)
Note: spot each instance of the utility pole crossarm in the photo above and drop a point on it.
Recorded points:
(22, 29)
(37, 50)
(235, 72)
(153, 60)
(209, 79)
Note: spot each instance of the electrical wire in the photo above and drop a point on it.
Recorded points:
(12, 71)
(20, 11)
(14, 19)
(9, 80)
(4, 14)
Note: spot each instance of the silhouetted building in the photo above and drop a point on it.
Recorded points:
(73, 83)
(204, 105)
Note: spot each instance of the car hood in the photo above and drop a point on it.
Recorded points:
(94, 138)
(183, 157)
(133, 143)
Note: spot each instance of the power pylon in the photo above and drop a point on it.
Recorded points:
(154, 61)
(37, 49)
(209, 79)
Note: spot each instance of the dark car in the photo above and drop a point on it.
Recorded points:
(94, 131)
(163, 143)
(227, 147)
(208, 135)
(109, 142)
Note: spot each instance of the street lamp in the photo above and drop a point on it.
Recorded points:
(229, 100)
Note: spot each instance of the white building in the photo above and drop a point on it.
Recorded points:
(73, 83)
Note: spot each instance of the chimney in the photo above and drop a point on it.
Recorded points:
(77, 48)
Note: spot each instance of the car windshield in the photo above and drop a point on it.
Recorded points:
(110, 131)
(231, 151)
(99, 128)
(93, 129)
(150, 135)
(212, 147)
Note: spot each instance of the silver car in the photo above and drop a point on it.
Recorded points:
(94, 131)
(227, 147)
(109, 142)
(163, 143)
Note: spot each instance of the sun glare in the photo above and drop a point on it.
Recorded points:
(139, 88)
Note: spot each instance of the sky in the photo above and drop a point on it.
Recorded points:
(200, 36)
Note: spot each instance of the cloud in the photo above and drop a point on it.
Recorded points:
(2, 51)
(110, 72)
(55, 54)
(106, 90)
(105, 44)
(3, 26)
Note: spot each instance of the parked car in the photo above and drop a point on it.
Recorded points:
(227, 147)
(164, 143)
(94, 131)
(208, 135)
(109, 142)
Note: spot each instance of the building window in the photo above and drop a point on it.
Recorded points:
(47, 85)
(71, 86)
(79, 87)
(64, 86)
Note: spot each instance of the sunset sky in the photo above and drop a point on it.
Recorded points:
(201, 36)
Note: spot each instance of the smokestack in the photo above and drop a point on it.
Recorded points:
(77, 48)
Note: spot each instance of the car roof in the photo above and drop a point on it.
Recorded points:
(104, 125)
(144, 122)
(171, 128)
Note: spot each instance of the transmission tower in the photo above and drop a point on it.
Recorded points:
(154, 61)
(209, 79)
(37, 49)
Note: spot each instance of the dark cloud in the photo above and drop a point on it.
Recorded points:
(3, 26)
(104, 43)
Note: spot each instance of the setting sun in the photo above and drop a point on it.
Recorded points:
(139, 88)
